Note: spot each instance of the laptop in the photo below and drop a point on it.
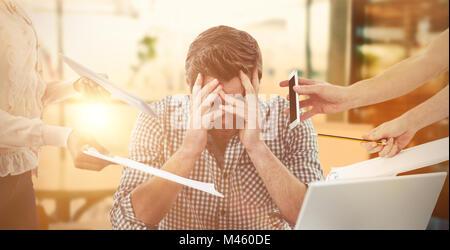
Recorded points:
(398, 202)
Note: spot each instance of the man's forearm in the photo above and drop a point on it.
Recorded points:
(284, 188)
(153, 199)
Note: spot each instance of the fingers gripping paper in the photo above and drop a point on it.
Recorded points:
(409, 159)
(202, 186)
(121, 94)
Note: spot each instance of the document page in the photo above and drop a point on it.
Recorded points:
(119, 93)
(409, 159)
(202, 186)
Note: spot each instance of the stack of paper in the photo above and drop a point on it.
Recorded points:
(409, 159)
(202, 186)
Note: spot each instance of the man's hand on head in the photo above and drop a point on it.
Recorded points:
(202, 116)
(250, 134)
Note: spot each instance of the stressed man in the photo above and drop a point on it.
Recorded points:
(258, 163)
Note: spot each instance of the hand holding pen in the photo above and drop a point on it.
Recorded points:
(399, 131)
(388, 139)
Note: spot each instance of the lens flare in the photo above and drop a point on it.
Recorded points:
(94, 117)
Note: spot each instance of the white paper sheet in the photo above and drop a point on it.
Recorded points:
(409, 159)
(202, 186)
(122, 94)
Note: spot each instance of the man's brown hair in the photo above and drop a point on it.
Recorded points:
(221, 52)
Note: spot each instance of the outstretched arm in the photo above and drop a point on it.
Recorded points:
(325, 98)
(405, 76)
(60, 91)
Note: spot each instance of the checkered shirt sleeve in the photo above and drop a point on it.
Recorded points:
(302, 158)
(145, 147)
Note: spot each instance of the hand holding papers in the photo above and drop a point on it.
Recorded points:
(202, 186)
(76, 143)
(409, 159)
(123, 95)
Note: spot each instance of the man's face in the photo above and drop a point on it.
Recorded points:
(234, 88)
(231, 87)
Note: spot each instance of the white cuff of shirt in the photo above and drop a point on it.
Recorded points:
(55, 135)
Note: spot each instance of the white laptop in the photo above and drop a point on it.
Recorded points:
(398, 202)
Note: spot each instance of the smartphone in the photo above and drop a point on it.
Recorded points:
(294, 107)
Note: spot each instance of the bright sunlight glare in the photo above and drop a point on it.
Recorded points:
(94, 117)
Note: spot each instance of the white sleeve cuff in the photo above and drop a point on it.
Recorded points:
(55, 135)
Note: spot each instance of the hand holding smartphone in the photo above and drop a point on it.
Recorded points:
(294, 107)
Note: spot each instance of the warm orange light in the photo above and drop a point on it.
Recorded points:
(94, 117)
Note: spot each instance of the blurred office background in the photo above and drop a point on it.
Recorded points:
(141, 45)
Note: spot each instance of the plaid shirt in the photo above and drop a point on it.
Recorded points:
(247, 203)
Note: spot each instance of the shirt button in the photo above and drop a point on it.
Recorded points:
(222, 212)
(225, 175)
